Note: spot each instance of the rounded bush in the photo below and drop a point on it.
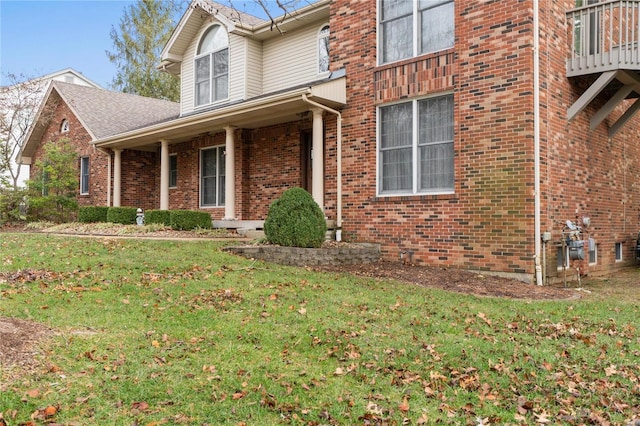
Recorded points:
(295, 220)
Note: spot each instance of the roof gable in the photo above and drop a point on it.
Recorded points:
(102, 113)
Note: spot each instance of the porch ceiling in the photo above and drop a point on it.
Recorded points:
(258, 112)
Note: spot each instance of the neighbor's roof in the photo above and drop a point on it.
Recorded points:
(102, 113)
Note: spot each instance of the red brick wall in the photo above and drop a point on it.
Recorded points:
(80, 139)
(584, 172)
(488, 222)
(139, 185)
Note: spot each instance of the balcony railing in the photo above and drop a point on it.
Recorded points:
(604, 37)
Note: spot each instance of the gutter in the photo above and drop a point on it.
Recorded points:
(536, 141)
(338, 162)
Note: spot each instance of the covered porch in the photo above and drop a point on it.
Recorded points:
(315, 102)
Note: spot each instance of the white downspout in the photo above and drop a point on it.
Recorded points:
(338, 162)
(536, 140)
(108, 154)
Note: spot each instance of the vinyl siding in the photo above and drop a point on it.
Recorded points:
(254, 68)
(237, 67)
(290, 59)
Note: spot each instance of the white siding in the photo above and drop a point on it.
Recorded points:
(186, 76)
(290, 59)
(237, 69)
(254, 68)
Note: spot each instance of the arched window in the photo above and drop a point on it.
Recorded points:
(212, 66)
(64, 126)
(323, 49)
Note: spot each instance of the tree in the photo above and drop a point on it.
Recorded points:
(19, 102)
(54, 185)
(143, 32)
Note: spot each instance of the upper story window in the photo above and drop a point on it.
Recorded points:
(323, 49)
(212, 66)
(410, 28)
(64, 126)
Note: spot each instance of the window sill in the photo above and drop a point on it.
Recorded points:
(400, 198)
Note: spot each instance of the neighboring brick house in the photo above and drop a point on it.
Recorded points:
(461, 134)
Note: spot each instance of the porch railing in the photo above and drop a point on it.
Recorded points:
(604, 36)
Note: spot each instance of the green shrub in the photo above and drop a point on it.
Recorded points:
(162, 217)
(295, 220)
(92, 214)
(122, 215)
(13, 204)
(187, 220)
(53, 208)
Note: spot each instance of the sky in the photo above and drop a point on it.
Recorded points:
(38, 37)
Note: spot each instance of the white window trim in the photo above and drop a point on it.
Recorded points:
(64, 126)
(415, 147)
(81, 175)
(318, 38)
(208, 206)
(416, 35)
(210, 53)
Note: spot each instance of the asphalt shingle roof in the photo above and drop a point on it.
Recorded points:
(107, 113)
(235, 15)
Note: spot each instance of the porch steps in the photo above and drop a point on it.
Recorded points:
(254, 229)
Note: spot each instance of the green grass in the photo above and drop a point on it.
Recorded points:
(173, 332)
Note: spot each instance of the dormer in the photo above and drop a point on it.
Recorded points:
(224, 56)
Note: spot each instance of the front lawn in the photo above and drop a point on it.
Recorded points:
(177, 332)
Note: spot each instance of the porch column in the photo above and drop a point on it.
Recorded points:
(117, 176)
(230, 174)
(317, 162)
(164, 175)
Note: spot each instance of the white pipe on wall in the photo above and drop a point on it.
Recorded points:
(536, 141)
(338, 159)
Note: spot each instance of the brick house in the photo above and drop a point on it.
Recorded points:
(462, 134)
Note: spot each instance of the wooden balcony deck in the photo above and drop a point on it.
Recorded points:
(604, 37)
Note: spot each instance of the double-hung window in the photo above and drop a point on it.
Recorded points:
(84, 175)
(415, 147)
(212, 177)
(212, 67)
(410, 28)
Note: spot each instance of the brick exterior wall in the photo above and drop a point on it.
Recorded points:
(488, 224)
(80, 139)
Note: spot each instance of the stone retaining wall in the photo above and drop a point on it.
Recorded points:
(294, 256)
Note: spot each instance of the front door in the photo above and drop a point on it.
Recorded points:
(306, 153)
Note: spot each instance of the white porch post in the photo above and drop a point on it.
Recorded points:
(164, 175)
(117, 176)
(317, 163)
(230, 174)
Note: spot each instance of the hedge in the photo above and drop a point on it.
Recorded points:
(92, 214)
(122, 215)
(187, 220)
(162, 217)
